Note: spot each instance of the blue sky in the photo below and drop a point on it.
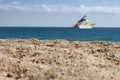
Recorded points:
(62, 13)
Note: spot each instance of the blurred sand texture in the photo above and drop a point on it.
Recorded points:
(33, 59)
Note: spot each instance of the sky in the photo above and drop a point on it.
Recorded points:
(59, 13)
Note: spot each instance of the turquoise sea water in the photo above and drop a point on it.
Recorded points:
(52, 33)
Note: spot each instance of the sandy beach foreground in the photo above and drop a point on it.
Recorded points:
(33, 59)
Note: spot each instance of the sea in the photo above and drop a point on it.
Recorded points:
(67, 33)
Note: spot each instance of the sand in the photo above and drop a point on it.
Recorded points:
(33, 59)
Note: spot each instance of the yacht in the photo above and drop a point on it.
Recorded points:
(84, 23)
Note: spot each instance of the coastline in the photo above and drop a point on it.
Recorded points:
(33, 59)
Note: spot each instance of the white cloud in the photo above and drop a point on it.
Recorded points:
(60, 8)
(14, 2)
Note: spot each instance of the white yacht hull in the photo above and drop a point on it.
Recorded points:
(85, 27)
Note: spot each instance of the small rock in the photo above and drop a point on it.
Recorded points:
(8, 75)
(116, 56)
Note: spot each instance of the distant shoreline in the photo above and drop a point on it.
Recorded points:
(49, 27)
